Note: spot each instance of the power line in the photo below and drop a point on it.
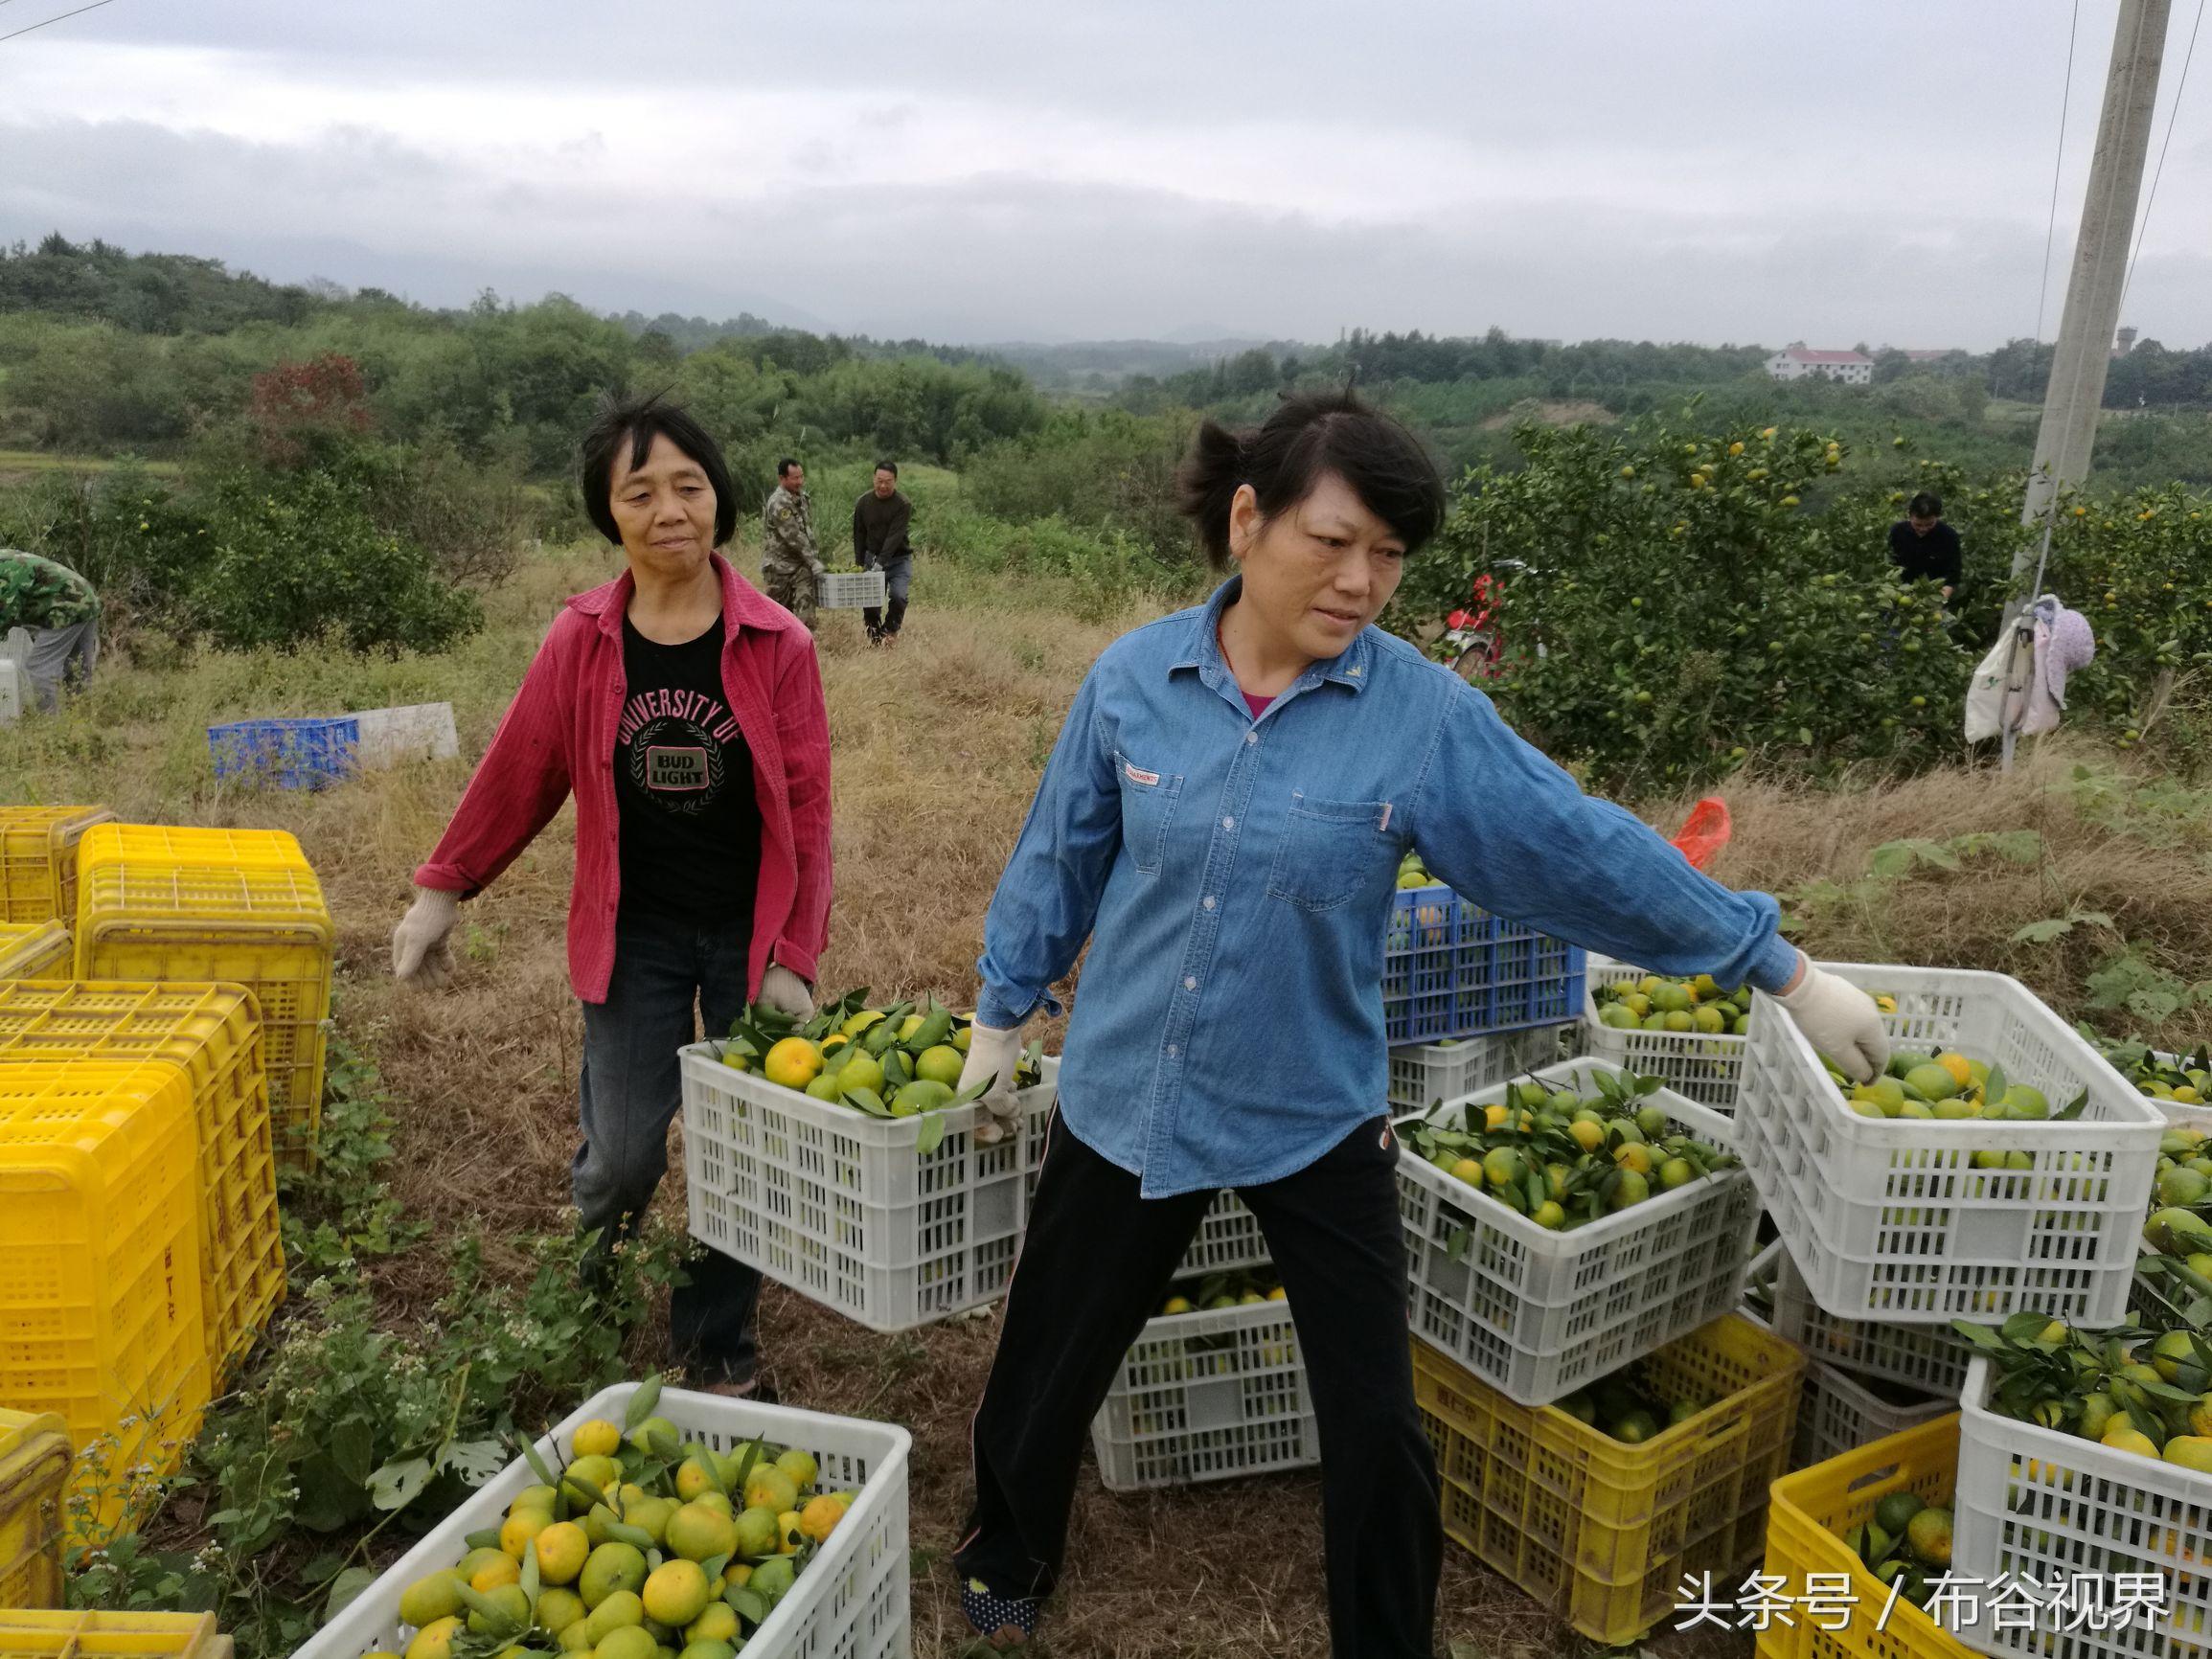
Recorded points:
(2051, 230)
(2152, 200)
(79, 12)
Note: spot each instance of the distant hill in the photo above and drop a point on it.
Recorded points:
(1106, 364)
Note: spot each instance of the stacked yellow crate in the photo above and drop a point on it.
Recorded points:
(39, 860)
(34, 1471)
(36, 950)
(111, 1636)
(1600, 1531)
(212, 1034)
(219, 906)
(100, 1314)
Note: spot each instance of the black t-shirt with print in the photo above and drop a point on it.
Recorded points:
(689, 822)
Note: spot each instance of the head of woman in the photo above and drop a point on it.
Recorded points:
(657, 487)
(1317, 510)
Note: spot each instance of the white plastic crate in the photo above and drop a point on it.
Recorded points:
(1930, 1357)
(14, 690)
(413, 732)
(1537, 1313)
(1422, 1074)
(1205, 1396)
(1228, 1236)
(1890, 1218)
(1697, 1065)
(1840, 1412)
(844, 1207)
(851, 1603)
(848, 590)
(2049, 1505)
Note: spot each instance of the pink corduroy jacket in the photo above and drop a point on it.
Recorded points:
(560, 733)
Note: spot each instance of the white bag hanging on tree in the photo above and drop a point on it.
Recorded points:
(2009, 665)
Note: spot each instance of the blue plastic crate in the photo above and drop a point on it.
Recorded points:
(297, 753)
(1452, 969)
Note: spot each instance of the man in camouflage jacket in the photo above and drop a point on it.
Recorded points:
(61, 613)
(789, 565)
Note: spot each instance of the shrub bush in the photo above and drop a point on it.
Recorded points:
(294, 556)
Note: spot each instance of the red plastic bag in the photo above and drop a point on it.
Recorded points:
(1705, 831)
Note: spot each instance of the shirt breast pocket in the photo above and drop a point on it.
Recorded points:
(1331, 851)
(1148, 805)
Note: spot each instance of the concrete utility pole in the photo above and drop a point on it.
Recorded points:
(2084, 344)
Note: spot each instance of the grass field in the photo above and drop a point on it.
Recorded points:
(938, 747)
(22, 462)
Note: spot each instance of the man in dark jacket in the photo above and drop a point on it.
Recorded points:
(879, 542)
(1925, 549)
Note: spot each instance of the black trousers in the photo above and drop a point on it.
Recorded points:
(898, 581)
(1095, 1266)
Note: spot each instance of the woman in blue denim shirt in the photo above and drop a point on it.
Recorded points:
(1223, 819)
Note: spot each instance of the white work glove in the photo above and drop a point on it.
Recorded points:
(787, 993)
(1840, 1020)
(993, 1055)
(420, 954)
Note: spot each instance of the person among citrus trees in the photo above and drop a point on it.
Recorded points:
(1923, 548)
(1223, 819)
(684, 710)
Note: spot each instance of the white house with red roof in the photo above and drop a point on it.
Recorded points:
(1794, 362)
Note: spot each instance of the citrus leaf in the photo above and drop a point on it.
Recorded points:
(931, 1135)
(642, 1402)
(538, 1465)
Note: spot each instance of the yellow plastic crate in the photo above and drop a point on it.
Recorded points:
(25, 1635)
(99, 1278)
(39, 860)
(39, 950)
(212, 1033)
(1812, 1512)
(1599, 1531)
(180, 844)
(34, 1471)
(221, 906)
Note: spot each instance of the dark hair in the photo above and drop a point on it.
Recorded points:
(1308, 435)
(640, 420)
(1925, 505)
(784, 466)
(890, 466)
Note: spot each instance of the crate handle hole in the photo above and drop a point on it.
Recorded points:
(1875, 1477)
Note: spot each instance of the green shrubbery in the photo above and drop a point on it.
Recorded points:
(245, 556)
(1703, 599)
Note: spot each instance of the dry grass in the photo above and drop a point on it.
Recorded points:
(2143, 857)
(938, 747)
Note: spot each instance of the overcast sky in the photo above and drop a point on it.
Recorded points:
(1052, 170)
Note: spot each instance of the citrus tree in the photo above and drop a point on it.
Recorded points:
(1674, 605)
(2139, 567)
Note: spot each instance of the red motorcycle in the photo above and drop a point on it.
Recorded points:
(1472, 643)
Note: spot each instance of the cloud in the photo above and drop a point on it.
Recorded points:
(983, 169)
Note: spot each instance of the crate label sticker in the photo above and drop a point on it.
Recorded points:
(680, 768)
(1138, 775)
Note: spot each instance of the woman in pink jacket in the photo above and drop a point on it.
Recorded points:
(684, 708)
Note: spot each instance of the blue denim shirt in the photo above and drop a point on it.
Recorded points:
(1234, 876)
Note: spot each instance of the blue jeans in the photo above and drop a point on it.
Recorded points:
(629, 1090)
